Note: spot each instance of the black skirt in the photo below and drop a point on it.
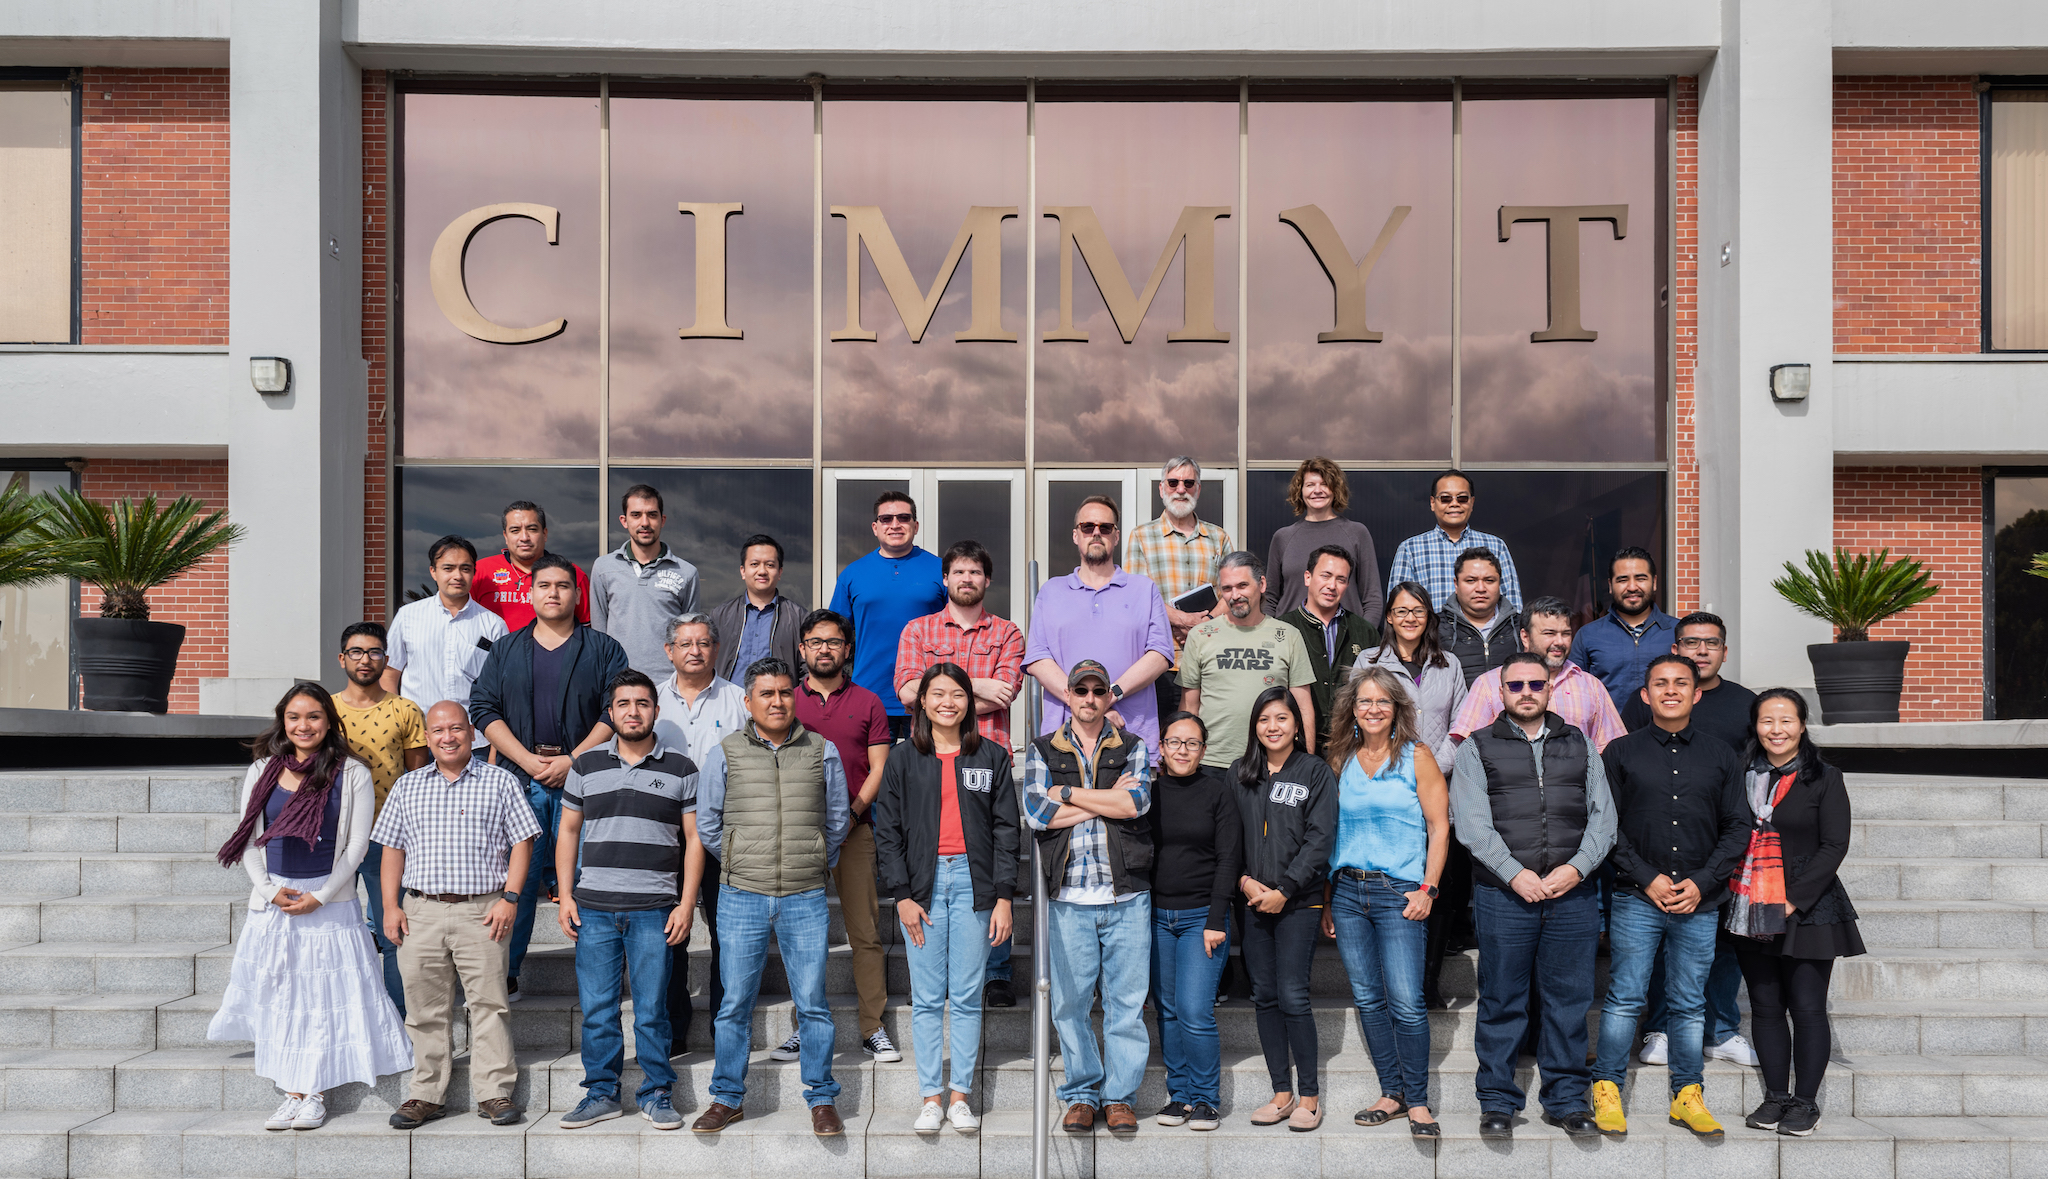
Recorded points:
(1828, 930)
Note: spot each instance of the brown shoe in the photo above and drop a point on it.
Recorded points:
(717, 1118)
(825, 1122)
(414, 1114)
(1080, 1118)
(500, 1110)
(1121, 1118)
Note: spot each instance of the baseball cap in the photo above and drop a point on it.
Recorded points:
(1085, 669)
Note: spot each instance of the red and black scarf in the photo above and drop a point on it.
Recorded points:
(1759, 904)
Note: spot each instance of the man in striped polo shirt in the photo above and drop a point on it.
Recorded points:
(642, 863)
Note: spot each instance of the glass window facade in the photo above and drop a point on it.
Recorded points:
(711, 512)
(2019, 529)
(35, 621)
(38, 180)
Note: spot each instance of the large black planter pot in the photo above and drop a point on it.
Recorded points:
(127, 665)
(1859, 682)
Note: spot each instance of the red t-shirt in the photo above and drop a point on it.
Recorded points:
(952, 841)
(507, 591)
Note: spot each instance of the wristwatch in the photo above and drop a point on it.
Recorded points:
(1066, 794)
(509, 897)
(1431, 890)
(1116, 692)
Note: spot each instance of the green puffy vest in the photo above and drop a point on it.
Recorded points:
(774, 831)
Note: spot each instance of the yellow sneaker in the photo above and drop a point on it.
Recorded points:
(1689, 1109)
(1607, 1113)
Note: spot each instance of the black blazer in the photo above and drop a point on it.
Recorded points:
(1813, 835)
(906, 815)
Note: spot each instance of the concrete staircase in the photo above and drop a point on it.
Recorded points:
(117, 931)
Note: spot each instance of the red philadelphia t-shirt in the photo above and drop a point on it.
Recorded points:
(952, 841)
(507, 591)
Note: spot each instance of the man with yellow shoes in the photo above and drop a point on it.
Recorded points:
(1683, 824)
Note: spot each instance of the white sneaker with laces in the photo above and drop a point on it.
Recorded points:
(286, 1111)
(1656, 1048)
(963, 1119)
(1735, 1049)
(931, 1117)
(790, 1049)
(312, 1113)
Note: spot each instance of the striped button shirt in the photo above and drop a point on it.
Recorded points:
(1575, 694)
(1176, 560)
(440, 654)
(632, 839)
(1430, 557)
(457, 835)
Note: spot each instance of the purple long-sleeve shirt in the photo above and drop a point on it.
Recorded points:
(1114, 625)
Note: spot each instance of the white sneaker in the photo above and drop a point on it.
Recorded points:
(312, 1113)
(282, 1119)
(930, 1118)
(963, 1119)
(1656, 1048)
(1735, 1049)
(790, 1049)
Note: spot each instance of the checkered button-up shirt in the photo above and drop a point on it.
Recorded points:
(1430, 557)
(1089, 879)
(1575, 694)
(457, 836)
(991, 649)
(1176, 560)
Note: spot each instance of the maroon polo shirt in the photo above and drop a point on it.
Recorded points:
(851, 719)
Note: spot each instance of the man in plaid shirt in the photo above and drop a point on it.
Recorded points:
(991, 648)
(1087, 786)
(1430, 558)
(1179, 552)
(457, 837)
(1575, 693)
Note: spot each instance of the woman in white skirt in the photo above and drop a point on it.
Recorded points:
(306, 985)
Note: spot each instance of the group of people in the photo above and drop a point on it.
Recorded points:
(1236, 755)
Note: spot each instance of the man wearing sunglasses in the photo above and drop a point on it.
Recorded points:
(1574, 694)
(881, 593)
(1181, 553)
(1529, 800)
(390, 734)
(1430, 557)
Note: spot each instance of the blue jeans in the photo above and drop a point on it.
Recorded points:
(372, 875)
(1549, 944)
(1724, 988)
(1636, 930)
(1383, 953)
(608, 946)
(1184, 978)
(998, 964)
(547, 810)
(798, 923)
(946, 972)
(1107, 945)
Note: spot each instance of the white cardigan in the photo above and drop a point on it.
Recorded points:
(351, 837)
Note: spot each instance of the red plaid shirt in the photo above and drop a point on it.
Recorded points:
(992, 649)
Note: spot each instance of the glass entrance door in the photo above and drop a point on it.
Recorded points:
(983, 504)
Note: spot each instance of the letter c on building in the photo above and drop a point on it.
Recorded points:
(451, 289)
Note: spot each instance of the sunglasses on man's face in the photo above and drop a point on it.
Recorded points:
(1525, 685)
(1091, 528)
(1446, 498)
(1182, 484)
(897, 518)
(1087, 691)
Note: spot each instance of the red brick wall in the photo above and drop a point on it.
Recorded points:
(376, 346)
(199, 599)
(1907, 215)
(154, 206)
(1935, 515)
(1685, 302)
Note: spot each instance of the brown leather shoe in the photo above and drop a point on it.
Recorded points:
(500, 1110)
(1121, 1118)
(717, 1118)
(414, 1114)
(1080, 1118)
(825, 1122)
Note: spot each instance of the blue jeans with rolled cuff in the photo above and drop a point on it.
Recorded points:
(1184, 975)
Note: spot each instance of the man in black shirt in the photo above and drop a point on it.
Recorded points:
(1683, 825)
(1723, 710)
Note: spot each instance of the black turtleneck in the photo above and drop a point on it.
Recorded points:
(1198, 840)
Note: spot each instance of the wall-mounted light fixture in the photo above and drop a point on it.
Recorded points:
(1791, 382)
(273, 374)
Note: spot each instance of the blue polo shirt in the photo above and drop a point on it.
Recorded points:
(881, 595)
(1619, 659)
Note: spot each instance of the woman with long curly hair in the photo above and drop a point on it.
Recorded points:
(306, 986)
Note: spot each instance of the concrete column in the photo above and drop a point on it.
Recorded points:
(1766, 469)
(295, 462)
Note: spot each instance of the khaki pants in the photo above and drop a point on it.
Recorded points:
(854, 880)
(448, 942)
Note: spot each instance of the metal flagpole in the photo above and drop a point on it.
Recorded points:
(1041, 976)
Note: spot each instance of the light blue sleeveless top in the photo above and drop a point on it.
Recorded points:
(1379, 820)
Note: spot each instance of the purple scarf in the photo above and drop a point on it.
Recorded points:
(301, 817)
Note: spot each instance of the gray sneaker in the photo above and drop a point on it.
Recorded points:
(657, 1109)
(590, 1111)
(790, 1049)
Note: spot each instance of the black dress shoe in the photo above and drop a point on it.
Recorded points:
(998, 993)
(1578, 1124)
(1496, 1125)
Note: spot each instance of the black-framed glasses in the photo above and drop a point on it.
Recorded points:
(373, 654)
(1182, 484)
(1525, 685)
(1182, 744)
(897, 518)
(1093, 528)
(1450, 498)
(824, 644)
(1699, 644)
(1408, 612)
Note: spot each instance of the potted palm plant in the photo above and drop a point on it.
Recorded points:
(1859, 679)
(128, 548)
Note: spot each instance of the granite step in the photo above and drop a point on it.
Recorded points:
(199, 789)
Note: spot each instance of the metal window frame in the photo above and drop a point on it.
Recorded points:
(1986, 86)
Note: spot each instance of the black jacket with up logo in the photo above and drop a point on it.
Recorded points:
(906, 815)
(1290, 824)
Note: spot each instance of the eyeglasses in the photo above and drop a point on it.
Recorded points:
(1375, 706)
(1448, 498)
(824, 644)
(1182, 744)
(897, 518)
(1696, 644)
(1089, 692)
(1525, 685)
(694, 645)
(1182, 484)
(373, 654)
(1092, 528)
(1414, 612)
